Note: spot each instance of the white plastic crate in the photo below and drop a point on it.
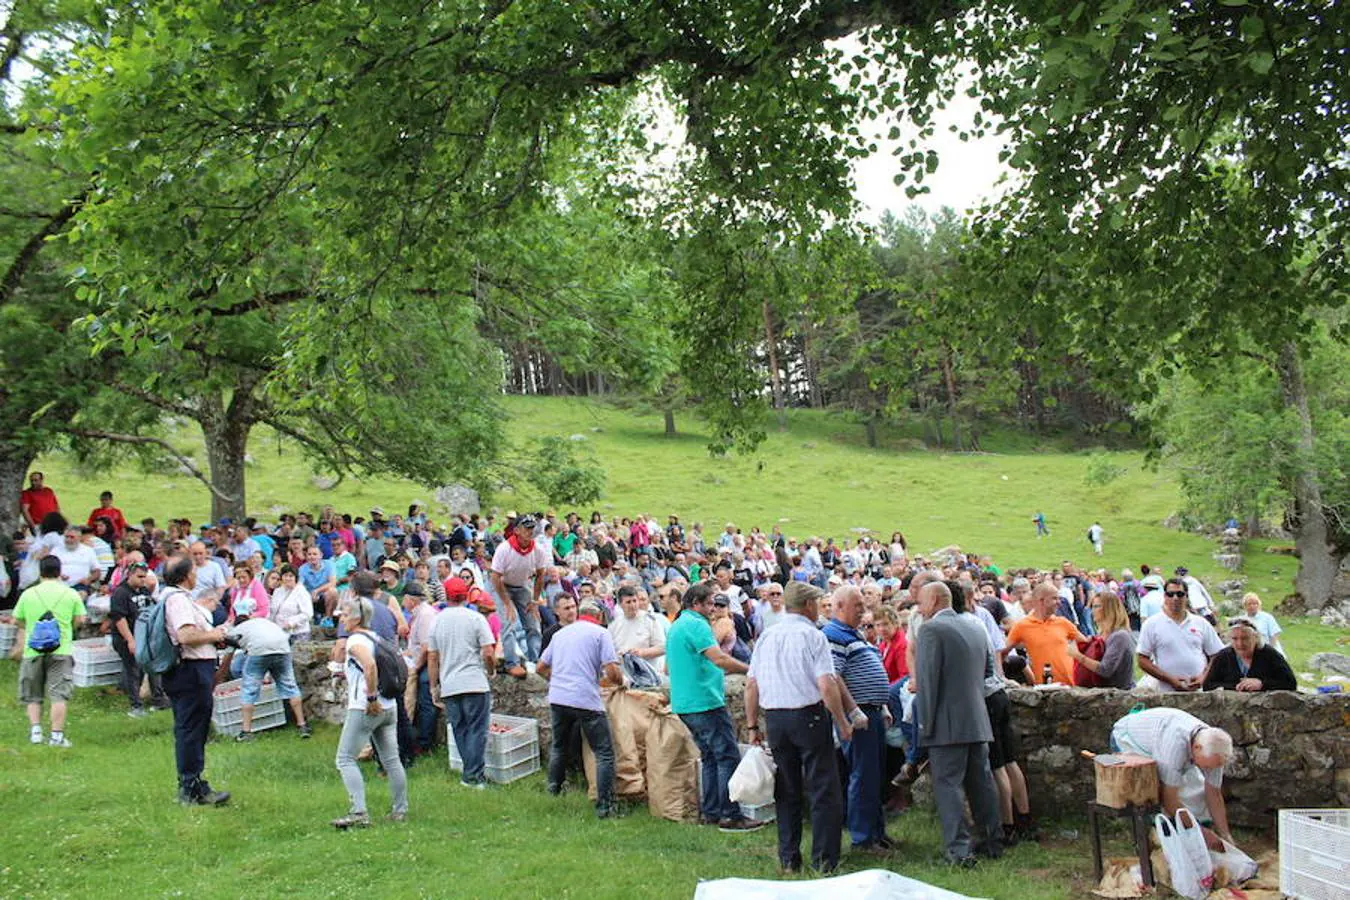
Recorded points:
(227, 717)
(9, 632)
(96, 663)
(1315, 853)
(506, 750)
(508, 774)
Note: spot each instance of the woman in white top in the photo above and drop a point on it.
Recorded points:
(370, 717)
(292, 606)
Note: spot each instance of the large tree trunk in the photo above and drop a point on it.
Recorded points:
(226, 445)
(670, 422)
(870, 424)
(775, 377)
(1319, 560)
(949, 383)
(14, 463)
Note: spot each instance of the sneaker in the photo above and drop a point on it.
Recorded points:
(137, 713)
(62, 741)
(35, 736)
(306, 731)
(243, 737)
(352, 820)
(737, 826)
(396, 817)
(474, 785)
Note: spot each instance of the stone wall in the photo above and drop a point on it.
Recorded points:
(1293, 750)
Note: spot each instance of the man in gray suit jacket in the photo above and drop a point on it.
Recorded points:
(953, 657)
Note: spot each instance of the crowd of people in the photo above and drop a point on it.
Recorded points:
(866, 663)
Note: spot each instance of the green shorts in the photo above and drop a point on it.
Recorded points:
(53, 675)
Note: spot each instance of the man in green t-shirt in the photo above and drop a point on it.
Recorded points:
(49, 673)
(695, 663)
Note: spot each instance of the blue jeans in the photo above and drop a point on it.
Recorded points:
(469, 716)
(426, 713)
(716, 739)
(866, 755)
(524, 629)
(595, 728)
(279, 666)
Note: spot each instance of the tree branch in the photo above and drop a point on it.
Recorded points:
(184, 461)
(169, 406)
(28, 253)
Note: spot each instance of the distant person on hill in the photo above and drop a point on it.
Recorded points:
(1097, 537)
(1041, 529)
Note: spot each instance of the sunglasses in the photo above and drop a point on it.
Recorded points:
(1175, 593)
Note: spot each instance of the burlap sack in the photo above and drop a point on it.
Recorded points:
(630, 714)
(1120, 880)
(672, 770)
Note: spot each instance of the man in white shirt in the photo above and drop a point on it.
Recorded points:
(209, 577)
(268, 649)
(79, 563)
(638, 630)
(792, 678)
(519, 560)
(1175, 645)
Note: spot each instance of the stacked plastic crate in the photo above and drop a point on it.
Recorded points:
(512, 749)
(8, 634)
(96, 663)
(227, 717)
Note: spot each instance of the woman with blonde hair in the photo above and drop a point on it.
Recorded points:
(1116, 666)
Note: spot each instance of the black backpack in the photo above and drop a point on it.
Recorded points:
(391, 672)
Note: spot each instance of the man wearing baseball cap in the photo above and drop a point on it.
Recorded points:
(518, 574)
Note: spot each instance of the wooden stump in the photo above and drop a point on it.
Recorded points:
(1125, 779)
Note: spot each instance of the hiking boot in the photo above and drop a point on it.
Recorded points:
(243, 737)
(517, 671)
(207, 797)
(306, 731)
(352, 820)
(737, 826)
(137, 713)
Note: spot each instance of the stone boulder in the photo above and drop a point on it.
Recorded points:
(1330, 663)
(458, 498)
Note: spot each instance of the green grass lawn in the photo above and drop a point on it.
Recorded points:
(99, 820)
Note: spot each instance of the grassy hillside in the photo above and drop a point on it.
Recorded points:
(818, 478)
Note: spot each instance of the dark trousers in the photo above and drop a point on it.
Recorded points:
(802, 743)
(189, 686)
(595, 728)
(961, 772)
(716, 739)
(131, 679)
(866, 755)
(427, 713)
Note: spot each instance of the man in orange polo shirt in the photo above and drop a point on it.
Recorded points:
(1045, 636)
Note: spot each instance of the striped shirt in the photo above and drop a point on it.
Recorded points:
(1163, 735)
(858, 663)
(787, 661)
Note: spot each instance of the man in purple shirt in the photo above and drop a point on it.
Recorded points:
(578, 660)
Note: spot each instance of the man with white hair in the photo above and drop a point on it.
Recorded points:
(1180, 743)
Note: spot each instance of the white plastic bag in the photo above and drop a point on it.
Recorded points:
(1192, 876)
(752, 782)
(1239, 866)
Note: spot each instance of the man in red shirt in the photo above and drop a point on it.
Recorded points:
(38, 500)
(106, 510)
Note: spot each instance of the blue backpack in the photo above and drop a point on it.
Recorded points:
(46, 634)
(156, 653)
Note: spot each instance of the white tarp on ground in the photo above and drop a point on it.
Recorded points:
(871, 884)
